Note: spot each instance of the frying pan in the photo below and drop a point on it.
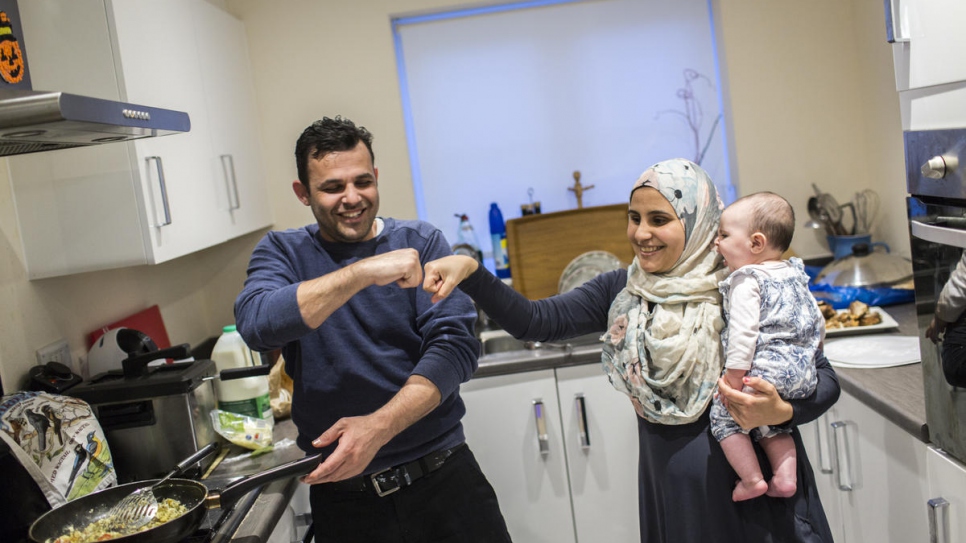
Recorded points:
(193, 494)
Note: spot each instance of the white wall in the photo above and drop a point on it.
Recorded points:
(809, 85)
(813, 99)
(811, 94)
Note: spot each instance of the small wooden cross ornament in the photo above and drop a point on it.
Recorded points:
(579, 189)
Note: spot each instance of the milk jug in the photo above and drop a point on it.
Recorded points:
(249, 395)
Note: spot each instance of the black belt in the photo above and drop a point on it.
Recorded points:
(389, 480)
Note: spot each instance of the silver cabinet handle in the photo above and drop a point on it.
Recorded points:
(164, 190)
(231, 182)
(542, 439)
(843, 463)
(582, 429)
(938, 520)
(824, 445)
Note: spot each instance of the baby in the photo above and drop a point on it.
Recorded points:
(773, 328)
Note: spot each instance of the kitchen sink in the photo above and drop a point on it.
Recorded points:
(499, 341)
(502, 344)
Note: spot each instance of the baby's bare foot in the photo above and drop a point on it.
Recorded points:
(781, 487)
(748, 490)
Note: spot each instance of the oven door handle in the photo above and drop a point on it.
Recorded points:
(938, 234)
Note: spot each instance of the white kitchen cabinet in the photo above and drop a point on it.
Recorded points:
(230, 102)
(816, 436)
(927, 57)
(603, 467)
(877, 487)
(928, 34)
(577, 488)
(947, 484)
(151, 200)
(529, 475)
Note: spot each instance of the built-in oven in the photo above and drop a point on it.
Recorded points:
(936, 181)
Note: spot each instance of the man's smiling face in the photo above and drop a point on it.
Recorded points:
(343, 194)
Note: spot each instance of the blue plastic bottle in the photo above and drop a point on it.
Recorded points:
(498, 236)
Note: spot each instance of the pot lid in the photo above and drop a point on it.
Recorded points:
(865, 268)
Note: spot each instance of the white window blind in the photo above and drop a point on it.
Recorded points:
(500, 100)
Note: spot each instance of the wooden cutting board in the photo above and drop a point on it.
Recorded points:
(541, 246)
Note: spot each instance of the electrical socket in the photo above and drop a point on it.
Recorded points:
(57, 351)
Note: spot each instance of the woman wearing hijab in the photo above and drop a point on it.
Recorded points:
(662, 321)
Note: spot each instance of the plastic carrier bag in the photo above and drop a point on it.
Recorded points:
(242, 430)
(841, 297)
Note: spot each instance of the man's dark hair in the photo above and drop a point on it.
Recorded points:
(327, 136)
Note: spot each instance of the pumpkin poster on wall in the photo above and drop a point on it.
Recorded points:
(13, 59)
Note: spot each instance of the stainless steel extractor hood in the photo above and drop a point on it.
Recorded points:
(35, 121)
(32, 121)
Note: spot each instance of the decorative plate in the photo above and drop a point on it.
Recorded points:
(585, 267)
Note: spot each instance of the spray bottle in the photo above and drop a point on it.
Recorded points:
(498, 236)
(466, 240)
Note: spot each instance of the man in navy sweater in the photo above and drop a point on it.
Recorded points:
(377, 366)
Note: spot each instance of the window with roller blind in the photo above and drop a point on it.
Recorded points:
(503, 104)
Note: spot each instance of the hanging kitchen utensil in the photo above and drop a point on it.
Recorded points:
(866, 209)
(830, 207)
(140, 507)
(855, 221)
(818, 219)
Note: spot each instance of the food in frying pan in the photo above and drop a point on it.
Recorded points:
(858, 314)
(168, 509)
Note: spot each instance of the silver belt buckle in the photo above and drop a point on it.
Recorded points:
(378, 488)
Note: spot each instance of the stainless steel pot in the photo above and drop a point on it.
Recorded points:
(866, 268)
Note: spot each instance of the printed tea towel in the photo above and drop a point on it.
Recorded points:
(60, 443)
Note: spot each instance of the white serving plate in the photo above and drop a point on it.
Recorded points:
(888, 323)
(585, 267)
(873, 351)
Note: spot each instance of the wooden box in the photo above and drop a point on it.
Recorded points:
(541, 246)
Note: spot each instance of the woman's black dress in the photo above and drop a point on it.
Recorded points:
(685, 482)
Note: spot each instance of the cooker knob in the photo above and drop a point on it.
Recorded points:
(936, 167)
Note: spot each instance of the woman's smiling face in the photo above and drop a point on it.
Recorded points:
(654, 230)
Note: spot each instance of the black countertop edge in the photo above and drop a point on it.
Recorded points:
(225, 531)
(265, 511)
(254, 517)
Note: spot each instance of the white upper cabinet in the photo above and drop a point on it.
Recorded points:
(929, 42)
(150, 200)
(236, 163)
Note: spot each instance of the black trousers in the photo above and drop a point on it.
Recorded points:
(954, 353)
(454, 504)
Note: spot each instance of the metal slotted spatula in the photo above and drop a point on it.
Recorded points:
(140, 507)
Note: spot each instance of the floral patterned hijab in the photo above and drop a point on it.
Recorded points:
(663, 344)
